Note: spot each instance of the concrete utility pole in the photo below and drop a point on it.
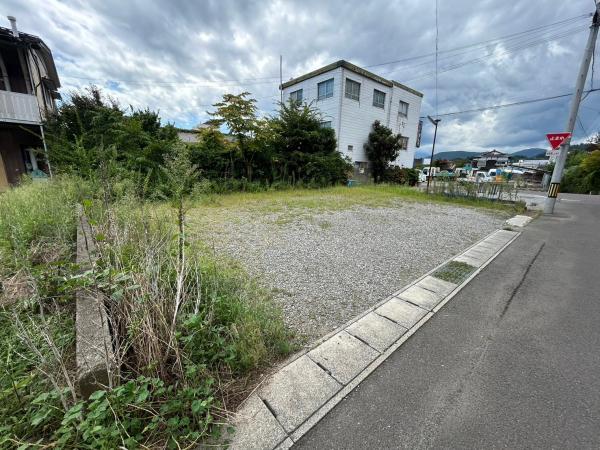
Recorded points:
(281, 76)
(564, 148)
(435, 122)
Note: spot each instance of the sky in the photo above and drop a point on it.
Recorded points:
(179, 57)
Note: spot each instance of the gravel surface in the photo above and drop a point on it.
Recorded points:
(325, 268)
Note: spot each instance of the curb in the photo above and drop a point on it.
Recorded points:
(314, 381)
(93, 345)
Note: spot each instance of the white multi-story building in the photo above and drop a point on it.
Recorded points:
(350, 99)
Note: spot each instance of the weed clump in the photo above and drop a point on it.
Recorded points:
(188, 327)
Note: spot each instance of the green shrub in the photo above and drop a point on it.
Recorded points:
(88, 131)
(400, 175)
(140, 412)
(382, 147)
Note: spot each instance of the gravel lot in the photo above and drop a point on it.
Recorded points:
(325, 268)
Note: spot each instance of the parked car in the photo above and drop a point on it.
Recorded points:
(444, 174)
(482, 177)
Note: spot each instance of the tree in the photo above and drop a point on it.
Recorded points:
(303, 149)
(88, 130)
(590, 168)
(382, 147)
(213, 154)
(238, 113)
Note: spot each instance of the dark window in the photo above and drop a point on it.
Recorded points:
(325, 89)
(403, 110)
(403, 143)
(352, 89)
(296, 96)
(378, 98)
(14, 70)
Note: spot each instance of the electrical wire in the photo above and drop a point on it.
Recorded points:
(454, 56)
(507, 105)
(497, 40)
(506, 52)
(268, 80)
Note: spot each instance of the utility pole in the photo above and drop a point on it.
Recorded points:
(281, 76)
(564, 148)
(430, 174)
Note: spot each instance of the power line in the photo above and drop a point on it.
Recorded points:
(269, 80)
(506, 105)
(486, 42)
(506, 52)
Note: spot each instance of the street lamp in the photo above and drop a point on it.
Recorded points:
(435, 123)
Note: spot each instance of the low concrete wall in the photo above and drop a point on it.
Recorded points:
(94, 354)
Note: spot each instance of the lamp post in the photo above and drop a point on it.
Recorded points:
(430, 175)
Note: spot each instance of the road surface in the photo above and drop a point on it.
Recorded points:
(513, 361)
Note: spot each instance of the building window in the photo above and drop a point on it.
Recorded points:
(403, 110)
(296, 96)
(361, 166)
(378, 98)
(403, 143)
(350, 148)
(352, 89)
(325, 89)
(326, 124)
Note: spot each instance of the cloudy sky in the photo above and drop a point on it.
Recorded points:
(179, 56)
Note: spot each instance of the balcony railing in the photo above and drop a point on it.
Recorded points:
(19, 108)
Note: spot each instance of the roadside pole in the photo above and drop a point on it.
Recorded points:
(435, 122)
(564, 148)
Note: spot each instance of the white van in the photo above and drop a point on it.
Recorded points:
(424, 173)
(482, 177)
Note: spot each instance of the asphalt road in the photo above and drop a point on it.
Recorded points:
(513, 361)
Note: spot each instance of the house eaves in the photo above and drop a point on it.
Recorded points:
(353, 68)
(29, 40)
(406, 88)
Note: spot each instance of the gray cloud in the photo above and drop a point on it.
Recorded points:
(181, 56)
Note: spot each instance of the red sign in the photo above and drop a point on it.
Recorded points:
(556, 139)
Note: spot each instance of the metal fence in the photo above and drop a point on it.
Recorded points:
(498, 190)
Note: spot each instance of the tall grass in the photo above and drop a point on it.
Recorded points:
(187, 332)
(224, 321)
(37, 223)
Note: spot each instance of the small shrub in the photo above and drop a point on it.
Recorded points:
(400, 175)
(382, 147)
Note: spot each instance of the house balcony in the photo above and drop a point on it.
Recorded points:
(19, 108)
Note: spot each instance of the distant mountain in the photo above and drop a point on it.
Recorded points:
(527, 153)
(460, 154)
(530, 153)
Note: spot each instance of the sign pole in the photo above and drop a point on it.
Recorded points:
(564, 148)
